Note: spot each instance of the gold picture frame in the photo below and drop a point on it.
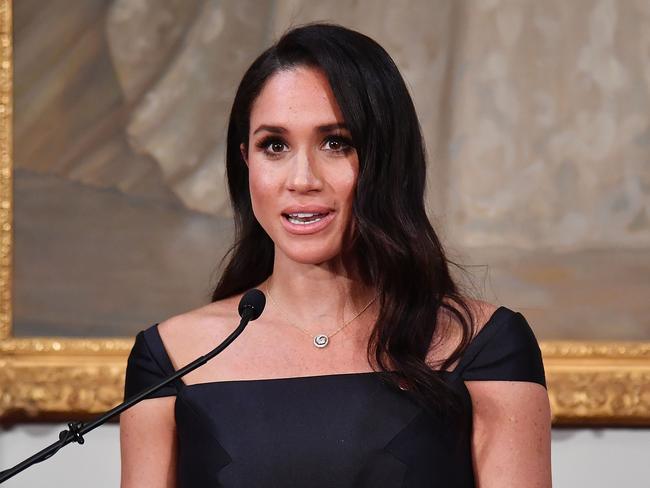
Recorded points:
(52, 377)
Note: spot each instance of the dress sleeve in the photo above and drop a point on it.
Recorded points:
(504, 350)
(148, 364)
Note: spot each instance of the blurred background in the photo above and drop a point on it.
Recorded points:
(536, 117)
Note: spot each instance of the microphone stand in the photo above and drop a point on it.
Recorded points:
(76, 430)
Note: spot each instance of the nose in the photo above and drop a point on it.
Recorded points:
(303, 174)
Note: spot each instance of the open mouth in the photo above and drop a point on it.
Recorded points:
(305, 218)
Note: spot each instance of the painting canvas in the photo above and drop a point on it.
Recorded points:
(121, 212)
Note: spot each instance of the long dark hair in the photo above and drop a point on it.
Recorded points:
(394, 244)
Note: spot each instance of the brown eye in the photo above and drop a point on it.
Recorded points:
(272, 146)
(338, 144)
(335, 145)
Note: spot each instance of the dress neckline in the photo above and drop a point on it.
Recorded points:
(343, 375)
(312, 377)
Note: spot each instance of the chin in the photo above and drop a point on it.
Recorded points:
(311, 254)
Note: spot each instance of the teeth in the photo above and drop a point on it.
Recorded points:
(303, 222)
(304, 218)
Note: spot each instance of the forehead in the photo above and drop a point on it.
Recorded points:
(296, 95)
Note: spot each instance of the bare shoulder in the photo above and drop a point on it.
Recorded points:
(480, 314)
(483, 312)
(449, 330)
(186, 335)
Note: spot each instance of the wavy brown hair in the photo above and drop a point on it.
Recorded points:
(394, 245)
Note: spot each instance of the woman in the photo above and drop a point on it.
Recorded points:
(368, 367)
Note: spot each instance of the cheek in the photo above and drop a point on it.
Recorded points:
(346, 185)
(262, 189)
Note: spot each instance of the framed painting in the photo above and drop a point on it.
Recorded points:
(107, 225)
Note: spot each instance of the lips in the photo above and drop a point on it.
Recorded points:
(306, 220)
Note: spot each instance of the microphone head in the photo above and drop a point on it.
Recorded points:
(252, 303)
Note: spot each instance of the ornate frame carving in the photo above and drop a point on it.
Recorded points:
(49, 377)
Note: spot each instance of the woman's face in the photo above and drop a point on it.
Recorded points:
(302, 166)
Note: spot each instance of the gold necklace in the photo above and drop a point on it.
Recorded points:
(320, 340)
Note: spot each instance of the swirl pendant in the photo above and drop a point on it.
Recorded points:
(321, 340)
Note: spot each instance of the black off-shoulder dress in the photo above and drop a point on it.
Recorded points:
(334, 431)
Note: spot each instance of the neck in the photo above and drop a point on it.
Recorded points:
(311, 293)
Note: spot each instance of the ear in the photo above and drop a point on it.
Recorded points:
(244, 152)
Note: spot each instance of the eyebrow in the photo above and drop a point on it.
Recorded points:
(275, 129)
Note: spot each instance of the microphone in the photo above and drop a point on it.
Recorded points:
(252, 304)
(250, 308)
